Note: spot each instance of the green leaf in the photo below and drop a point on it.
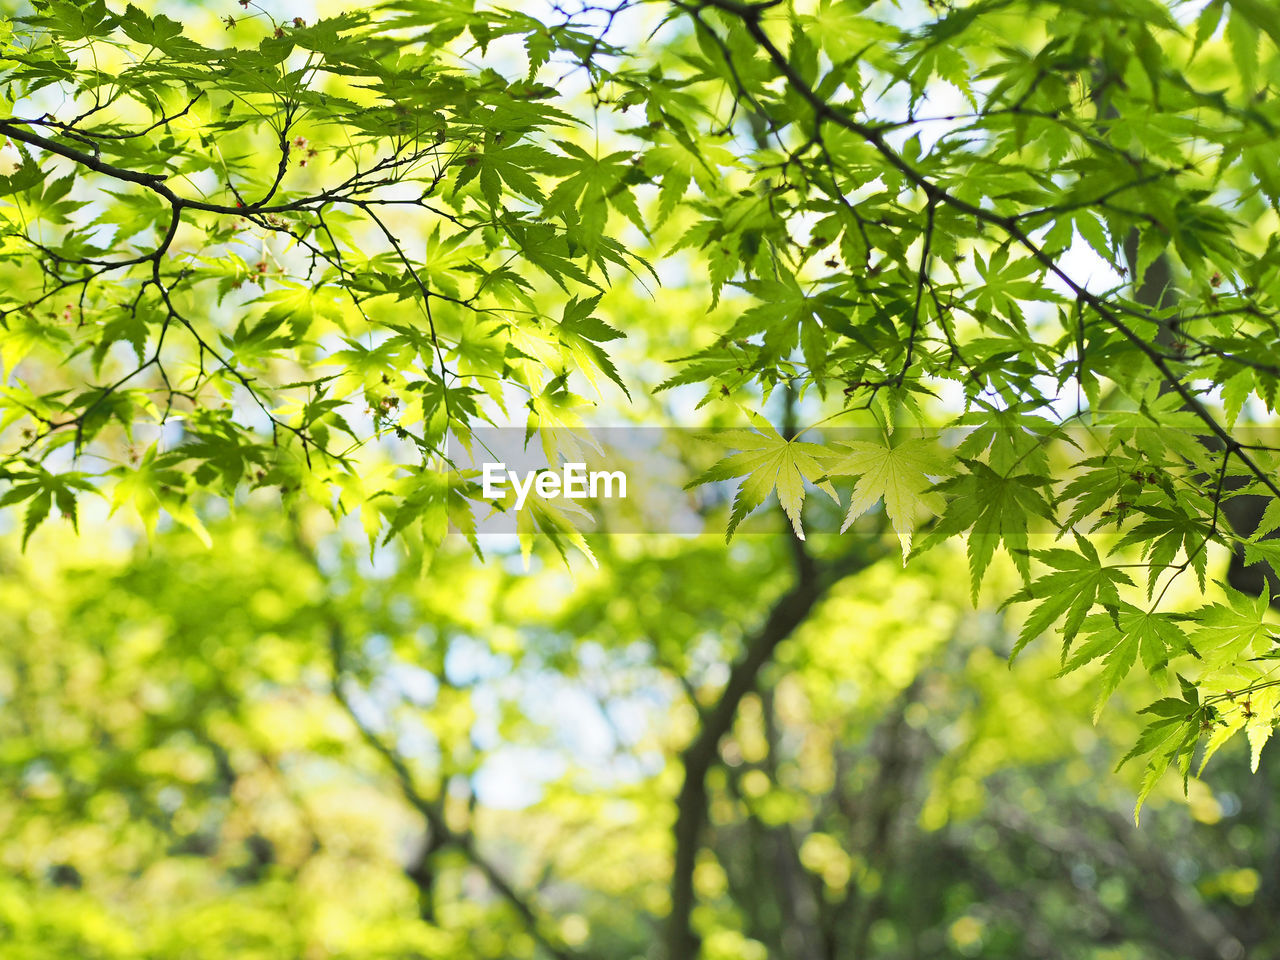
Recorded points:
(769, 462)
(1080, 580)
(994, 509)
(901, 474)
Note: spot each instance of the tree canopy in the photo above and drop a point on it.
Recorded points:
(987, 286)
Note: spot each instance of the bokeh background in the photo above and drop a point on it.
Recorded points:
(263, 740)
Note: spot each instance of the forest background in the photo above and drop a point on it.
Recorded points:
(958, 318)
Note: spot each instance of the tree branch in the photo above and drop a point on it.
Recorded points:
(433, 812)
(792, 609)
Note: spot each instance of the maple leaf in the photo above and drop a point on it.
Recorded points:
(993, 508)
(1260, 722)
(768, 461)
(899, 474)
(1078, 581)
(1227, 632)
(1118, 637)
(1161, 535)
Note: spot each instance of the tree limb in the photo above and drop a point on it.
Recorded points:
(812, 583)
